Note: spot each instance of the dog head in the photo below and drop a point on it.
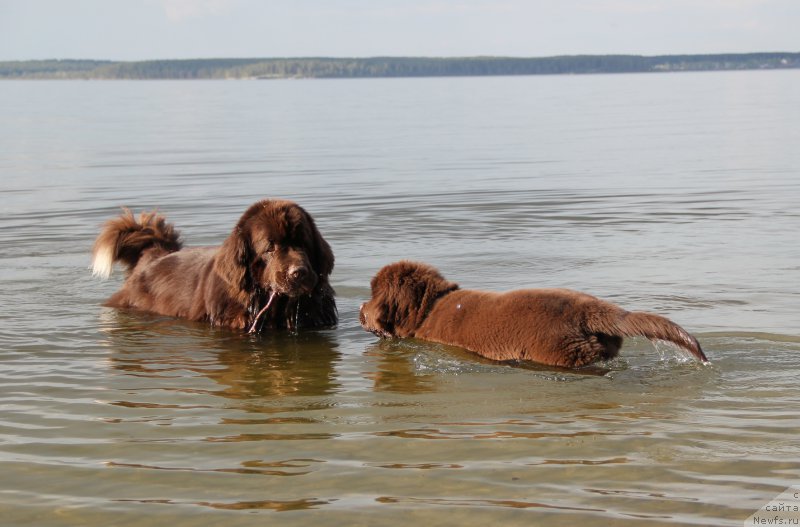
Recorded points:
(403, 294)
(275, 247)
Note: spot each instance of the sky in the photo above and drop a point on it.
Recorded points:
(179, 29)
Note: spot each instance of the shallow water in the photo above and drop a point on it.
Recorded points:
(671, 193)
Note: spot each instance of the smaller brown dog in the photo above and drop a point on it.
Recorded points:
(557, 327)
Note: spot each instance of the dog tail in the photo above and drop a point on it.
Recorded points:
(654, 327)
(124, 239)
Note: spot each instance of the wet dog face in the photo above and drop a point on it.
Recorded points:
(281, 241)
(275, 248)
(403, 294)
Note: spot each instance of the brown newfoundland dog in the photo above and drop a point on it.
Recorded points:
(557, 327)
(271, 272)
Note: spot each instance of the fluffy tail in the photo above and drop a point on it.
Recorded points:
(124, 239)
(655, 327)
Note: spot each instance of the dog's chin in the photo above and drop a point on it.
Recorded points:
(380, 333)
(291, 293)
(363, 320)
(291, 290)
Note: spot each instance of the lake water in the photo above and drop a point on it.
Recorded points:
(674, 193)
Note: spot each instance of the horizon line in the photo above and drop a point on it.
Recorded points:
(444, 57)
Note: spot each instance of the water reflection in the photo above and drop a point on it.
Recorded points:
(261, 468)
(395, 369)
(279, 364)
(273, 505)
(514, 504)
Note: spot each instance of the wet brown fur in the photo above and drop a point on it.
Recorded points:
(557, 327)
(274, 247)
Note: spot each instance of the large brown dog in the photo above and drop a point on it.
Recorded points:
(271, 272)
(557, 327)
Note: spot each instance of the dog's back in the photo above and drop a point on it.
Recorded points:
(542, 325)
(552, 326)
(169, 283)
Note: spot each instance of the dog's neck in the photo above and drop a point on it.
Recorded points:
(432, 303)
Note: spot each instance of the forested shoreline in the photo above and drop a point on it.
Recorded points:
(326, 67)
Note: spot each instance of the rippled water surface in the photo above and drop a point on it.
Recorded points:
(671, 193)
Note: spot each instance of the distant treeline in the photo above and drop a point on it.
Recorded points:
(282, 68)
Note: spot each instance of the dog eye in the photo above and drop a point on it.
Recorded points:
(270, 247)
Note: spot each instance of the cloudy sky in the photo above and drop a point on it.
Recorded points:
(160, 29)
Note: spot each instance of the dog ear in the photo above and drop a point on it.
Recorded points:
(319, 309)
(416, 298)
(232, 262)
(401, 310)
(400, 314)
(320, 252)
(434, 288)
